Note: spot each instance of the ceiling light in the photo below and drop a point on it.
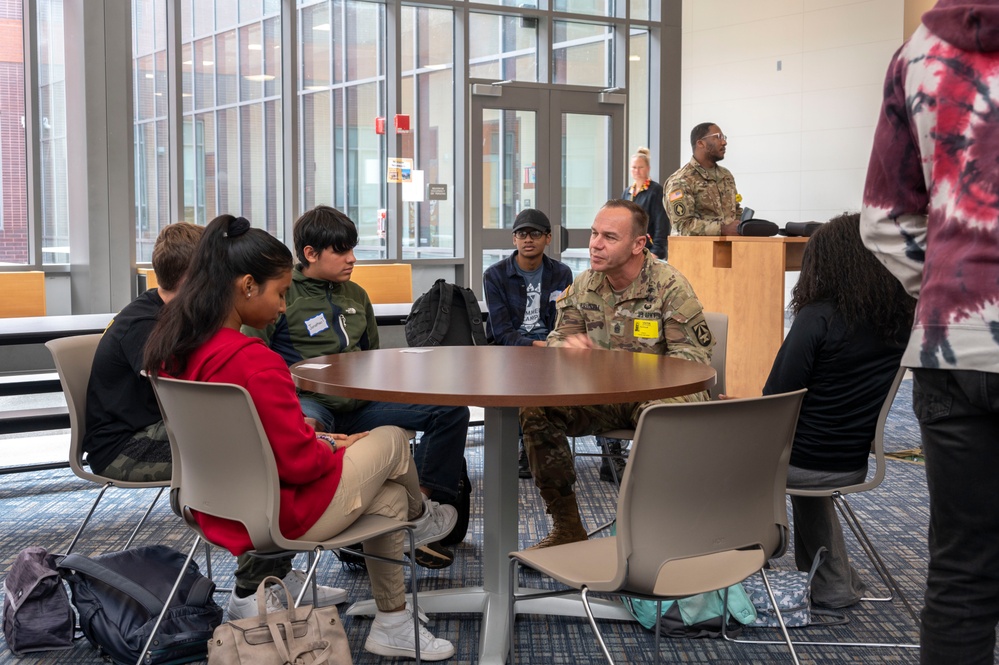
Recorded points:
(635, 58)
(317, 87)
(322, 26)
(259, 78)
(254, 47)
(150, 76)
(187, 63)
(207, 63)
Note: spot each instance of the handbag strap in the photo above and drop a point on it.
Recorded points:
(113, 579)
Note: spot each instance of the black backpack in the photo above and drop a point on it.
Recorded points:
(446, 315)
(119, 595)
(36, 612)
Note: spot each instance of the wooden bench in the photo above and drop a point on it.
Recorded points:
(385, 282)
(22, 294)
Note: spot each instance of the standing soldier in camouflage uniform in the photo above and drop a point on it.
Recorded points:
(700, 198)
(626, 301)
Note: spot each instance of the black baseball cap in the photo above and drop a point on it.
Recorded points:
(532, 219)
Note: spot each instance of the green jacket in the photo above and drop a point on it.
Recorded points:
(322, 318)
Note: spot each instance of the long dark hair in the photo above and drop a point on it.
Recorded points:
(229, 249)
(837, 268)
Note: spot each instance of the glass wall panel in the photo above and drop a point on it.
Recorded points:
(149, 95)
(592, 7)
(505, 48)
(428, 97)
(585, 172)
(638, 91)
(640, 9)
(509, 139)
(315, 39)
(227, 138)
(582, 54)
(234, 144)
(13, 142)
(254, 198)
(366, 169)
(317, 150)
(225, 68)
(187, 78)
(342, 91)
(52, 109)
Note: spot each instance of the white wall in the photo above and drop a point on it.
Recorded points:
(800, 137)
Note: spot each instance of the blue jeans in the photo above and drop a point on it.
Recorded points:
(441, 449)
(958, 414)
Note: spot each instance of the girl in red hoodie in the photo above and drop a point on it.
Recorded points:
(239, 276)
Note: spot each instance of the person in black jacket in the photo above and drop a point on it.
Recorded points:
(851, 325)
(648, 193)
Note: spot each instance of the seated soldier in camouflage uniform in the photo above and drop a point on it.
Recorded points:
(627, 301)
(700, 198)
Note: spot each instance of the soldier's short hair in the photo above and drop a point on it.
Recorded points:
(639, 218)
(699, 132)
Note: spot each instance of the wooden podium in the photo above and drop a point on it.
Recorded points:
(744, 278)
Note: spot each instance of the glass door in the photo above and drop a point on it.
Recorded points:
(559, 151)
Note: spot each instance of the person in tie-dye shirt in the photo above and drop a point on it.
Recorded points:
(931, 214)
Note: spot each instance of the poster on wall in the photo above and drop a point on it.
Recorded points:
(413, 189)
(400, 169)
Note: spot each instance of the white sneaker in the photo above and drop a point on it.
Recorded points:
(244, 608)
(396, 640)
(328, 595)
(436, 522)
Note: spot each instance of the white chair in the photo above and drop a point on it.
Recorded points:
(224, 467)
(73, 358)
(695, 512)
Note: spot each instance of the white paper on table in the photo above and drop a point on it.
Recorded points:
(313, 366)
(411, 351)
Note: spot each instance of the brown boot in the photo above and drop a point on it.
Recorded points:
(566, 526)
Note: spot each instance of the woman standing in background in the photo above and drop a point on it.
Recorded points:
(649, 194)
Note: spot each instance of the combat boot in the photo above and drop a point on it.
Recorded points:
(566, 525)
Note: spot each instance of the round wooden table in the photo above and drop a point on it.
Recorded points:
(501, 379)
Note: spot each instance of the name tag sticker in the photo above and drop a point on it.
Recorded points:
(646, 329)
(317, 324)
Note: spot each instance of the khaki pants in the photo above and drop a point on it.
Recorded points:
(379, 478)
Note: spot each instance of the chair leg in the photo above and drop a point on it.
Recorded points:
(86, 520)
(411, 535)
(310, 579)
(514, 578)
(780, 617)
(169, 599)
(593, 624)
(851, 519)
(659, 613)
(142, 521)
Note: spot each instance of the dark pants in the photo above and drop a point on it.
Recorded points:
(958, 414)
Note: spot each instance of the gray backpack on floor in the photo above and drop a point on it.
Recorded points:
(37, 615)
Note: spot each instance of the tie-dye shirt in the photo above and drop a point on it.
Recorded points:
(931, 201)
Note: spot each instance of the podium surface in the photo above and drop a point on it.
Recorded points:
(744, 278)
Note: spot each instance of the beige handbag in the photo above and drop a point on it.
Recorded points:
(298, 636)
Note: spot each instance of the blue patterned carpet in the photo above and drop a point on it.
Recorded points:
(45, 508)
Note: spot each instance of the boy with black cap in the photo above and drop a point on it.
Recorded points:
(521, 290)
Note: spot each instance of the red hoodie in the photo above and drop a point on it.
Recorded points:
(308, 468)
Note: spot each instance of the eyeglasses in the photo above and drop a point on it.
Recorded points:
(534, 233)
(718, 134)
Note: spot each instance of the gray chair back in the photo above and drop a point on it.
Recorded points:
(223, 464)
(704, 478)
(74, 357)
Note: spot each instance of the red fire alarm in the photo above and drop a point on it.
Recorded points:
(401, 124)
(379, 125)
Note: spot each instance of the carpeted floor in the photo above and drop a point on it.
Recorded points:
(45, 508)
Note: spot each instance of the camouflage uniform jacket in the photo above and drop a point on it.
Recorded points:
(699, 200)
(658, 313)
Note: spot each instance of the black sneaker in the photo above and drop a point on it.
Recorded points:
(523, 466)
(434, 556)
